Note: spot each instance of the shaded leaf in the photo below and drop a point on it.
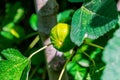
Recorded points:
(111, 56)
(75, 0)
(13, 67)
(93, 19)
(4, 43)
(19, 15)
(14, 13)
(7, 35)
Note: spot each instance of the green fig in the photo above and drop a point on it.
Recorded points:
(60, 37)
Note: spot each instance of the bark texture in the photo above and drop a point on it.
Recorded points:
(46, 11)
(118, 5)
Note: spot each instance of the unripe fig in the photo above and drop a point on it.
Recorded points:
(60, 37)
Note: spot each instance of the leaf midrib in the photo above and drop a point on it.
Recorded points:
(84, 8)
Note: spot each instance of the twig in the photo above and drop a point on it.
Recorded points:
(38, 51)
(62, 72)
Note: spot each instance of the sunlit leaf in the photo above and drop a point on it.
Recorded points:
(75, 70)
(65, 16)
(94, 53)
(13, 66)
(33, 22)
(78, 76)
(111, 56)
(8, 26)
(84, 63)
(11, 31)
(25, 73)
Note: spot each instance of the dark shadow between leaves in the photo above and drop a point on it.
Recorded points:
(105, 14)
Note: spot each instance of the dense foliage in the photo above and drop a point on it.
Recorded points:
(94, 30)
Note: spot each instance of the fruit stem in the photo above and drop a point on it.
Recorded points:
(94, 45)
(63, 69)
(38, 51)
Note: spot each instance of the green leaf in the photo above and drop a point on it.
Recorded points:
(13, 67)
(6, 31)
(25, 73)
(76, 71)
(7, 35)
(119, 20)
(11, 31)
(111, 56)
(12, 55)
(75, 0)
(77, 31)
(33, 22)
(65, 16)
(78, 76)
(93, 19)
(8, 26)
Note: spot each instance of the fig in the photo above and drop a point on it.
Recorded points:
(60, 37)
